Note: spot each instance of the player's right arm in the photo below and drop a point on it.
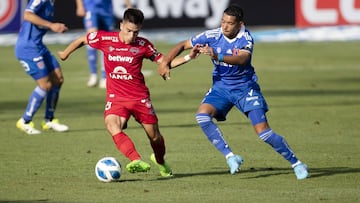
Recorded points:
(37, 20)
(77, 43)
(80, 8)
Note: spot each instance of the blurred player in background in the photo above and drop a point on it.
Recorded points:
(126, 92)
(230, 48)
(40, 64)
(98, 15)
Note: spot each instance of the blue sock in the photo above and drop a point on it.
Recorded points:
(213, 133)
(279, 144)
(51, 101)
(92, 59)
(34, 103)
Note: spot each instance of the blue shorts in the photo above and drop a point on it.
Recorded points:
(99, 22)
(40, 66)
(223, 100)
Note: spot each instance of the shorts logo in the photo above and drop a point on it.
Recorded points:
(40, 64)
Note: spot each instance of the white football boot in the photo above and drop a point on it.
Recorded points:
(102, 83)
(27, 127)
(54, 125)
(92, 82)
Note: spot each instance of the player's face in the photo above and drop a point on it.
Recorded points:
(230, 26)
(129, 31)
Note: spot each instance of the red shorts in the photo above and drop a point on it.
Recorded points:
(142, 110)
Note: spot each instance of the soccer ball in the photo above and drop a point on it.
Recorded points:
(108, 169)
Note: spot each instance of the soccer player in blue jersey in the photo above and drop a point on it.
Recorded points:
(40, 64)
(230, 48)
(98, 15)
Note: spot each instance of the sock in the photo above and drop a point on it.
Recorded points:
(92, 59)
(51, 101)
(126, 146)
(279, 144)
(34, 103)
(213, 133)
(159, 150)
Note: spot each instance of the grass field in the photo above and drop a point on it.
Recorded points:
(313, 91)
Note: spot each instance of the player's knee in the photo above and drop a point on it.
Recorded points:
(202, 118)
(46, 86)
(112, 128)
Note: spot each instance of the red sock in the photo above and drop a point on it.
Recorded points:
(159, 150)
(126, 146)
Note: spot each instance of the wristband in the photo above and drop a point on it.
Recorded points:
(187, 58)
(220, 57)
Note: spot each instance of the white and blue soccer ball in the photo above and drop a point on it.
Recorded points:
(108, 169)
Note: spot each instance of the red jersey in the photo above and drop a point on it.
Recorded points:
(123, 63)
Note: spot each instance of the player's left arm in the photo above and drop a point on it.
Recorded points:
(37, 20)
(239, 57)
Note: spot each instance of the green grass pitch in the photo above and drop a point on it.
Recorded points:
(313, 91)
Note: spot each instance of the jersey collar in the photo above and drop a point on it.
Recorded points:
(238, 36)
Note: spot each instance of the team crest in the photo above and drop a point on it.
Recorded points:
(40, 64)
(134, 50)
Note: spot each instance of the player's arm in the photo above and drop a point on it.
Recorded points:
(37, 20)
(240, 58)
(180, 60)
(128, 4)
(166, 63)
(80, 8)
(77, 43)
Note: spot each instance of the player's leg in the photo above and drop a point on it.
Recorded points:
(116, 116)
(157, 143)
(56, 79)
(39, 73)
(144, 113)
(105, 23)
(91, 25)
(217, 105)
(276, 141)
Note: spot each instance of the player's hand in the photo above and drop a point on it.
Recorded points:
(164, 71)
(58, 27)
(195, 51)
(207, 51)
(62, 55)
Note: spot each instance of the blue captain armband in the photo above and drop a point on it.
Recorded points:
(220, 57)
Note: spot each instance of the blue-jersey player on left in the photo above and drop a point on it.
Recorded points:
(40, 64)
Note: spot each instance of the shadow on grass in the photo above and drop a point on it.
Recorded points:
(267, 172)
(25, 201)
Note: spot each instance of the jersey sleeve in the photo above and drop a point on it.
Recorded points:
(34, 6)
(199, 39)
(249, 45)
(94, 39)
(206, 37)
(151, 52)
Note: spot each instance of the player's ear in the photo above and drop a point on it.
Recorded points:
(121, 25)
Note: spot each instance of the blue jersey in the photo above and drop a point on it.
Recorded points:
(29, 43)
(99, 7)
(226, 75)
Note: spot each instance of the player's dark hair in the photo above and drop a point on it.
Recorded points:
(134, 15)
(235, 10)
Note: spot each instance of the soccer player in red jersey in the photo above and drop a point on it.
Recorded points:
(126, 92)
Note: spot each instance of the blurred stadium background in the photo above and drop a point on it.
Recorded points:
(173, 20)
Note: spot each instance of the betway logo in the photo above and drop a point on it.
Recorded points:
(128, 59)
(211, 10)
